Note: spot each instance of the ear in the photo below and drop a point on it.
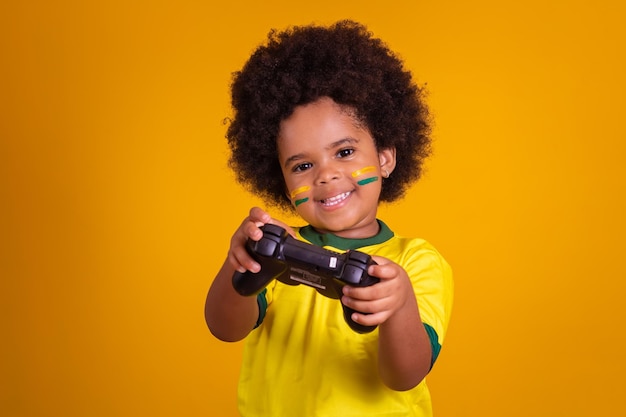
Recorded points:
(387, 159)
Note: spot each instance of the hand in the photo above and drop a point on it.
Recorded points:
(238, 257)
(383, 300)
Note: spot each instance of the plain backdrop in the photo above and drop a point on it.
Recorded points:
(116, 204)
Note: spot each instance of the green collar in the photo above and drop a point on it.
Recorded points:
(329, 239)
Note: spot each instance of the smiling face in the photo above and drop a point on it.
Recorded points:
(332, 169)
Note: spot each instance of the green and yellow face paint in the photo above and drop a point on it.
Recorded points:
(363, 172)
(297, 191)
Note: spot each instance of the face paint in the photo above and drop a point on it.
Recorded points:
(300, 201)
(362, 171)
(367, 180)
(297, 191)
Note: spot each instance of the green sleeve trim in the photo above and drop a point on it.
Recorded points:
(434, 343)
(262, 302)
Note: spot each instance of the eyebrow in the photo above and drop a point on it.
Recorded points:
(334, 145)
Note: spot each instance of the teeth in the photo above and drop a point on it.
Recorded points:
(335, 200)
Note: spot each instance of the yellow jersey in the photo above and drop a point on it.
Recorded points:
(303, 360)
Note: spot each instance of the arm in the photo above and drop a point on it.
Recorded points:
(404, 356)
(230, 316)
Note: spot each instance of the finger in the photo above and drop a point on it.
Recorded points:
(370, 319)
(238, 256)
(285, 226)
(241, 260)
(257, 218)
(248, 229)
(251, 230)
(380, 290)
(367, 305)
(261, 217)
(382, 270)
(258, 215)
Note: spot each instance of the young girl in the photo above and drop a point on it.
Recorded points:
(328, 123)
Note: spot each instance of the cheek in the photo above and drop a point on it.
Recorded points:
(365, 175)
(299, 195)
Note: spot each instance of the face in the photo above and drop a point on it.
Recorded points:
(332, 169)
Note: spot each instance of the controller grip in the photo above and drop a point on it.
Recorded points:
(250, 283)
(355, 273)
(359, 328)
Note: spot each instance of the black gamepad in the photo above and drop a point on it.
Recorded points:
(294, 262)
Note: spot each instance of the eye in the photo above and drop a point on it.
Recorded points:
(302, 167)
(343, 153)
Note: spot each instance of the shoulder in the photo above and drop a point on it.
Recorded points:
(420, 259)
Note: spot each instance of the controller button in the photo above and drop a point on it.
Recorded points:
(352, 275)
(359, 256)
(273, 230)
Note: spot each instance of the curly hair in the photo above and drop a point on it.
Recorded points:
(304, 63)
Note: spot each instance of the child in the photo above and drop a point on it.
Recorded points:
(328, 123)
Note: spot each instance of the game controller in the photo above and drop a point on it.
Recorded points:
(294, 262)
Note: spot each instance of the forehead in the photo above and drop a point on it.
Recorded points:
(319, 124)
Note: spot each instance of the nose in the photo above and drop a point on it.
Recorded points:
(327, 172)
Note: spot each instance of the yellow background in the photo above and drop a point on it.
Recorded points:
(116, 206)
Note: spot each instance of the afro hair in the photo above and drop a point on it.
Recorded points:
(298, 66)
